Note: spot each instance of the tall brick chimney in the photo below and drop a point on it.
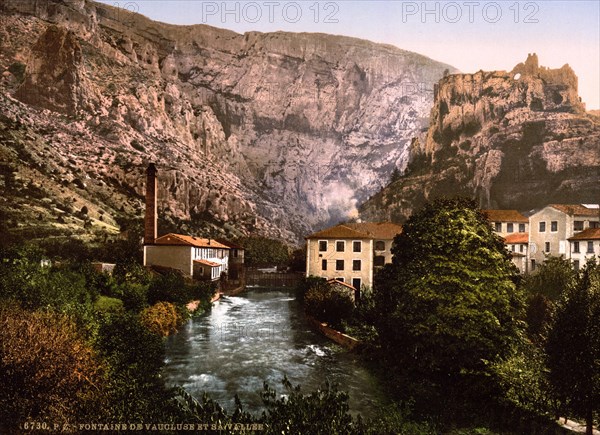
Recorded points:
(151, 219)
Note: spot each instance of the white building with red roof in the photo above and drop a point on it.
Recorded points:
(552, 227)
(194, 257)
(584, 245)
(513, 227)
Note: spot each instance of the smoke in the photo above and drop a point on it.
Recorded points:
(339, 200)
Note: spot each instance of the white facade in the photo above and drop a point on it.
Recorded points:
(551, 228)
(584, 246)
(197, 258)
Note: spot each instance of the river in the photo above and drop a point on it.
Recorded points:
(262, 335)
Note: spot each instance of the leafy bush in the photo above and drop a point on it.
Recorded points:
(161, 318)
(328, 304)
(107, 304)
(134, 357)
(47, 371)
(168, 288)
(133, 295)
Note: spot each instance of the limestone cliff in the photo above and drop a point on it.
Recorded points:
(518, 139)
(277, 133)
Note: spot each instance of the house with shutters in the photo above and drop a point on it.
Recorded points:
(552, 230)
(513, 227)
(202, 259)
(350, 252)
(195, 257)
(583, 246)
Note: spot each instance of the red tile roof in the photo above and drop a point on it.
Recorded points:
(229, 244)
(377, 230)
(516, 238)
(362, 230)
(589, 234)
(181, 240)
(576, 209)
(207, 263)
(505, 216)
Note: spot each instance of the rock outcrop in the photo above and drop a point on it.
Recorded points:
(516, 140)
(281, 132)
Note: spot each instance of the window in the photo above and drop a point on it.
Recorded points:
(576, 247)
(590, 247)
(542, 227)
(521, 228)
(521, 248)
(379, 260)
(323, 264)
(356, 246)
(510, 228)
(339, 279)
(576, 264)
(554, 226)
(578, 226)
(594, 224)
(322, 245)
(498, 227)
(356, 264)
(513, 248)
(547, 248)
(339, 264)
(340, 246)
(380, 245)
(532, 265)
(356, 283)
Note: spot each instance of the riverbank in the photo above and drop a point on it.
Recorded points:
(340, 338)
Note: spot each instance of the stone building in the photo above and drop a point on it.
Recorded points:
(350, 252)
(553, 226)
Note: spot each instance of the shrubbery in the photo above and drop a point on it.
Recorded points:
(161, 318)
(328, 304)
(47, 370)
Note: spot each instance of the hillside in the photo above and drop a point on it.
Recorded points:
(514, 140)
(275, 134)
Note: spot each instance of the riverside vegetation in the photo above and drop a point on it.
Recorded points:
(472, 346)
(465, 345)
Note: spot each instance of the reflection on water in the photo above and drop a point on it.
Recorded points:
(261, 336)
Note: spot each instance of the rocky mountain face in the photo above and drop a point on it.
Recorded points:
(275, 133)
(516, 140)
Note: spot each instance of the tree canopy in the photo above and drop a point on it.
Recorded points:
(573, 346)
(448, 303)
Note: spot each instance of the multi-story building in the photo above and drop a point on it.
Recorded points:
(350, 252)
(203, 259)
(506, 222)
(553, 226)
(584, 245)
(194, 257)
(513, 227)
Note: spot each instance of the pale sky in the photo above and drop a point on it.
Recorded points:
(469, 35)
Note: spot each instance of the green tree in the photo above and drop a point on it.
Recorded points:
(543, 288)
(447, 304)
(134, 358)
(261, 251)
(573, 346)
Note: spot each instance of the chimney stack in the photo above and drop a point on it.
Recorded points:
(151, 218)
